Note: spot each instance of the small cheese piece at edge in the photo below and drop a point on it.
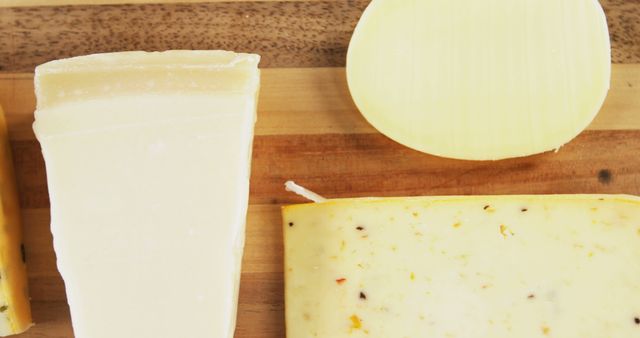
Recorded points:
(15, 310)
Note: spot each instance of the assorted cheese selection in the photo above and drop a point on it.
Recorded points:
(480, 80)
(15, 311)
(464, 267)
(147, 158)
(148, 163)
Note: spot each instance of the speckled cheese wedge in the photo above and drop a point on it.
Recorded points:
(15, 312)
(464, 267)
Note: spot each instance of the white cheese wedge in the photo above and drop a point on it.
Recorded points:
(480, 80)
(148, 158)
(464, 267)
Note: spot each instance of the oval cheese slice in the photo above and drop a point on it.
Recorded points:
(480, 80)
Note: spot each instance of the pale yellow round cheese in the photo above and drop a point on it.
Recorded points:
(480, 79)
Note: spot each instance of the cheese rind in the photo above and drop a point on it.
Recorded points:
(480, 80)
(148, 164)
(15, 310)
(466, 267)
(121, 74)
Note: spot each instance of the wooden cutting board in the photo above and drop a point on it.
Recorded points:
(308, 128)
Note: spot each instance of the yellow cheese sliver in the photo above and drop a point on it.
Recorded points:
(464, 267)
(480, 80)
(147, 158)
(15, 311)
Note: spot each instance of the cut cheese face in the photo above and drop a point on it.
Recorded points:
(15, 311)
(480, 80)
(148, 158)
(464, 267)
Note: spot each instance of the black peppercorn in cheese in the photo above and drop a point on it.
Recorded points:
(464, 267)
(15, 312)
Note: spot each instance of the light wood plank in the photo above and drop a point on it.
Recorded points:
(53, 321)
(336, 165)
(341, 165)
(306, 101)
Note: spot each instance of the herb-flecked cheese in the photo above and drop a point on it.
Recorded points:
(15, 311)
(466, 267)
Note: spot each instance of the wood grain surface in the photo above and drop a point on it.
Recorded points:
(308, 128)
(286, 33)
